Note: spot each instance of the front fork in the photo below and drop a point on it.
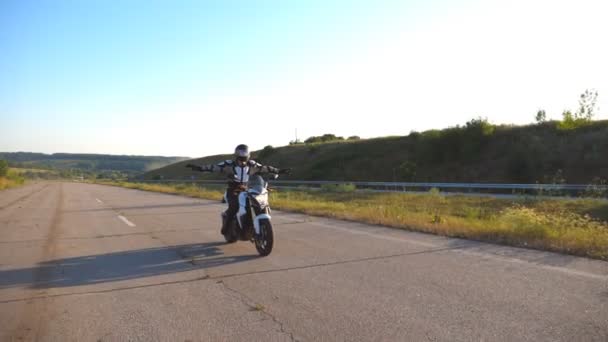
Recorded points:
(265, 214)
(241, 215)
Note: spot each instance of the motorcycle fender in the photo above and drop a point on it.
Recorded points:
(256, 222)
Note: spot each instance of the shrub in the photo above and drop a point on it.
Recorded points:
(407, 171)
(312, 149)
(570, 121)
(266, 152)
(11, 179)
(597, 188)
(435, 192)
(3, 168)
(414, 135)
(556, 179)
(476, 134)
(454, 143)
(323, 138)
(583, 116)
(479, 127)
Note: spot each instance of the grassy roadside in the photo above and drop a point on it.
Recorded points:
(578, 227)
(11, 180)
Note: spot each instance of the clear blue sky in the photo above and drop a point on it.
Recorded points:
(197, 77)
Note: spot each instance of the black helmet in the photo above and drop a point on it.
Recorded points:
(241, 152)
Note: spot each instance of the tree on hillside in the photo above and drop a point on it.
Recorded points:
(480, 126)
(587, 103)
(568, 121)
(541, 116)
(473, 137)
(323, 138)
(3, 167)
(584, 114)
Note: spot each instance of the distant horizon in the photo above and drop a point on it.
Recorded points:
(102, 154)
(275, 146)
(86, 153)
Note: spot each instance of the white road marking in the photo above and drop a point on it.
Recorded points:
(374, 235)
(98, 200)
(564, 270)
(127, 222)
(355, 231)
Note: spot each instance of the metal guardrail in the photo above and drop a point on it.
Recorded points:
(411, 186)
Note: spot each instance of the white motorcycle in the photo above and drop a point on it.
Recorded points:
(253, 218)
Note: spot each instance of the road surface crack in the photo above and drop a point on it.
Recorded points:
(23, 197)
(31, 320)
(291, 222)
(256, 307)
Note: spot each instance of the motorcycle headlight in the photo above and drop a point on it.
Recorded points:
(262, 200)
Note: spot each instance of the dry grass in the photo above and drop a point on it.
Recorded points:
(11, 180)
(569, 226)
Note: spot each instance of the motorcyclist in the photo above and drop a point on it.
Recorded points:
(238, 172)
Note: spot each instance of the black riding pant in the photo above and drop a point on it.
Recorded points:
(233, 203)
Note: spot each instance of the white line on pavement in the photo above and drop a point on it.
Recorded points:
(127, 222)
(565, 270)
(374, 235)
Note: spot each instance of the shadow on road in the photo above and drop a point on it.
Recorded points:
(103, 268)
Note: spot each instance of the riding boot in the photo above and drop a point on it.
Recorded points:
(224, 224)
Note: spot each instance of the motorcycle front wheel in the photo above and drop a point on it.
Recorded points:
(264, 241)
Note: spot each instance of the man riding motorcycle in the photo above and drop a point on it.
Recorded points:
(238, 171)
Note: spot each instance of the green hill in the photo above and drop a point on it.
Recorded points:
(476, 152)
(88, 163)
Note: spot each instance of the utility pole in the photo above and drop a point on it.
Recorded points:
(296, 136)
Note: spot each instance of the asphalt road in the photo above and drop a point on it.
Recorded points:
(83, 262)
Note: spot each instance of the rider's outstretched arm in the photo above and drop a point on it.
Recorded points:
(257, 167)
(205, 168)
(218, 168)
